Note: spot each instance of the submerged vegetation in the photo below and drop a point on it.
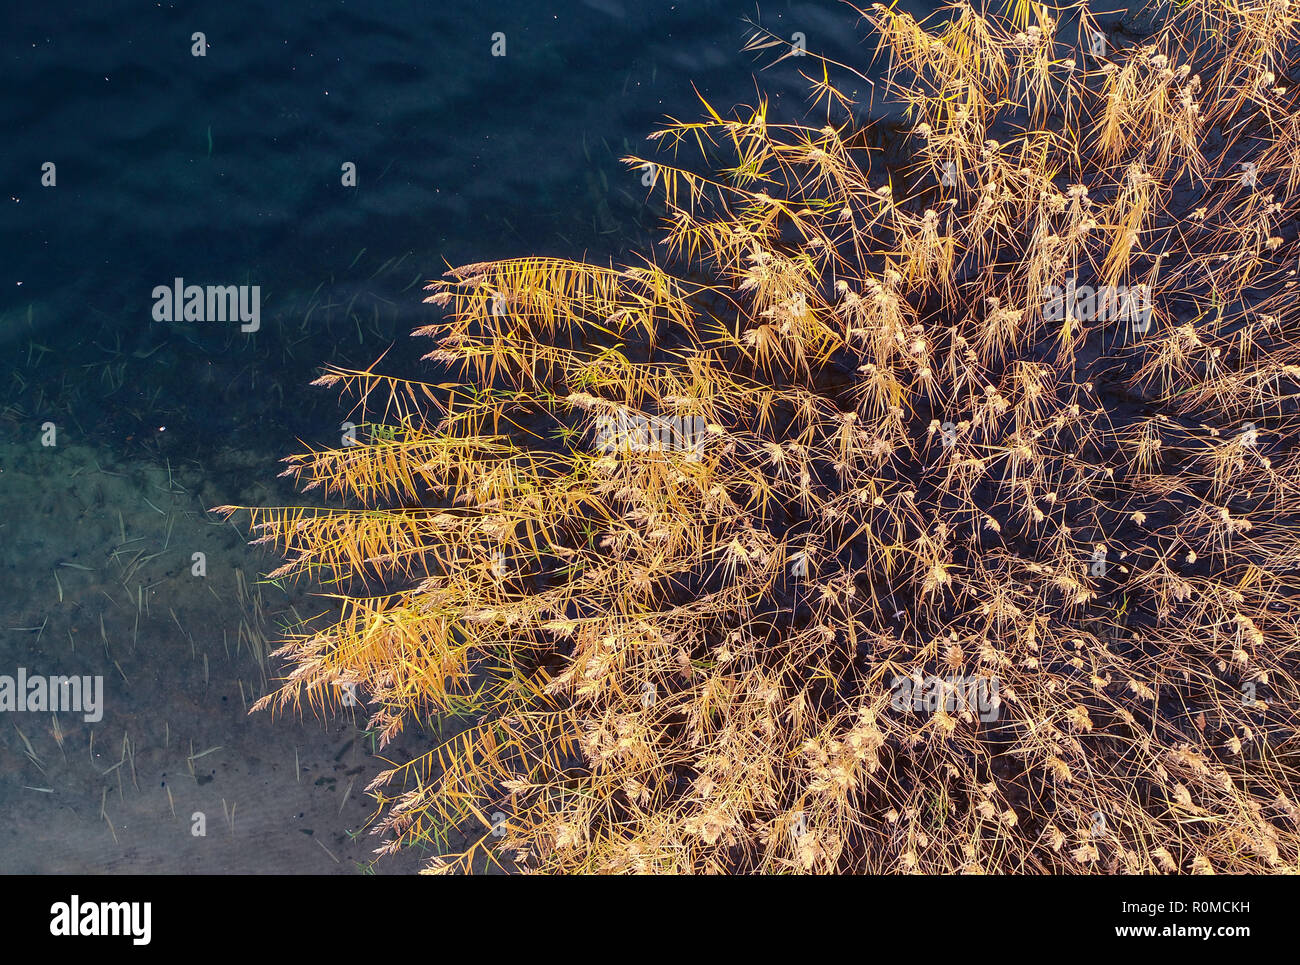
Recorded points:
(921, 465)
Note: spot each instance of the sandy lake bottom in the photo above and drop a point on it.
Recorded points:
(178, 670)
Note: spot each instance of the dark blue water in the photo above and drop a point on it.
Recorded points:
(226, 169)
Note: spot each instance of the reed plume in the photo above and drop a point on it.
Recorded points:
(1017, 413)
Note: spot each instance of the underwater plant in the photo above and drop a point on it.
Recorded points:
(980, 552)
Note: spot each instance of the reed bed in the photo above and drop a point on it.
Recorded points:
(1014, 404)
